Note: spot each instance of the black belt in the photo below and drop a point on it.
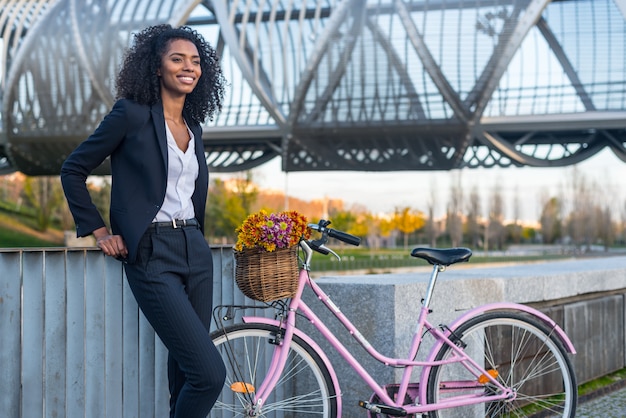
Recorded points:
(176, 223)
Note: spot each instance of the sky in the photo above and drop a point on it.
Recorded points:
(382, 192)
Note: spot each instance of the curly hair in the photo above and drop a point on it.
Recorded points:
(137, 79)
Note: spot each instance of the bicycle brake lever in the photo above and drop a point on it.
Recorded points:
(328, 250)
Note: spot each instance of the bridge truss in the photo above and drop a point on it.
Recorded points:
(364, 85)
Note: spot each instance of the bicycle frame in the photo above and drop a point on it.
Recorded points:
(442, 337)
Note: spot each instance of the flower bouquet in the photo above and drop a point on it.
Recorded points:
(266, 254)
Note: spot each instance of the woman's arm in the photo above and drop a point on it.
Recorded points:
(83, 160)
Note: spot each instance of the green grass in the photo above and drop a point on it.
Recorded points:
(601, 383)
(10, 238)
(18, 230)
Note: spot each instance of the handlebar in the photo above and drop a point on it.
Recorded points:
(319, 244)
(345, 237)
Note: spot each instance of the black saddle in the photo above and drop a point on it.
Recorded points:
(442, 256)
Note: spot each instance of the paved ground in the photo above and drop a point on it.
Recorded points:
(612, 405)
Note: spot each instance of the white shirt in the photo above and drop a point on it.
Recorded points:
(182, 172)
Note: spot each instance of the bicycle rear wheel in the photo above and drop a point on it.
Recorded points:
(305, 388)
(524, 356)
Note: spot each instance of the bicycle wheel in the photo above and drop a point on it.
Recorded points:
(305, 388)
(524, 356)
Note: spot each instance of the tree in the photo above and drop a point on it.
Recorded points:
(496, 218)
(227, 208)
(580, 221)
(100, 192)
(246, 191)
(606, 231)
(65, 216)
(550, 220)
(362, 224)
(454, 216)
(343, 220)
(373, 234)
(516, 228)
(473, 216)
(385, 225)
(44, 195)
(432, 230)
(407, 220)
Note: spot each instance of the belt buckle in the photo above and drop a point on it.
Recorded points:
(182, 221)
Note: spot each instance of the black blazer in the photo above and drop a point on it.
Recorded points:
(134, 136)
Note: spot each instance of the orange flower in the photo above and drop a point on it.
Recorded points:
(272, 231)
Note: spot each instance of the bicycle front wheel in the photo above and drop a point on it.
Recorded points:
(522, 354)
(305, 388)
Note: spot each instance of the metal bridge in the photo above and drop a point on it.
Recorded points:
(363, 85)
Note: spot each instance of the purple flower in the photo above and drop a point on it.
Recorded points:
(277, 230)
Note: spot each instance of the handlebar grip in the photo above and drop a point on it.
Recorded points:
(343, 236)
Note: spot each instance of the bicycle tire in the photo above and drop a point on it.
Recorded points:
(527, 357)
(305, 387)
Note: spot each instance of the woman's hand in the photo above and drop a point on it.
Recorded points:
(112, 245)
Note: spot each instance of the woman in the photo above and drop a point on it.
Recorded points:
(170, 81)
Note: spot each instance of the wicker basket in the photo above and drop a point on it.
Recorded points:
(267, 276)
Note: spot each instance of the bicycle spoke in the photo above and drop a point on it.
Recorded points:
(528, 361)
(305, 404)
(304, 388)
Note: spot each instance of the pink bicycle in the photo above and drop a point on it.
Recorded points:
(497, 360)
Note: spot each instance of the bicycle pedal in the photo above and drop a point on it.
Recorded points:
(376, 408)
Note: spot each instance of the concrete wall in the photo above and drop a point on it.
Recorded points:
(73, 343)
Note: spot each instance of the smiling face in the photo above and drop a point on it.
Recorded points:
(180, 68)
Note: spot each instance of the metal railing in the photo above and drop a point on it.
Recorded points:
(73, 342)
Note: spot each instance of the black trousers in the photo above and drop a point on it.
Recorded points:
(172, 281)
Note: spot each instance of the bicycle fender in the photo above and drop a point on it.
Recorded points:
(507, 306)
(309, 341)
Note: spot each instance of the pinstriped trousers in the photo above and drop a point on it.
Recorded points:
(172, 281)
